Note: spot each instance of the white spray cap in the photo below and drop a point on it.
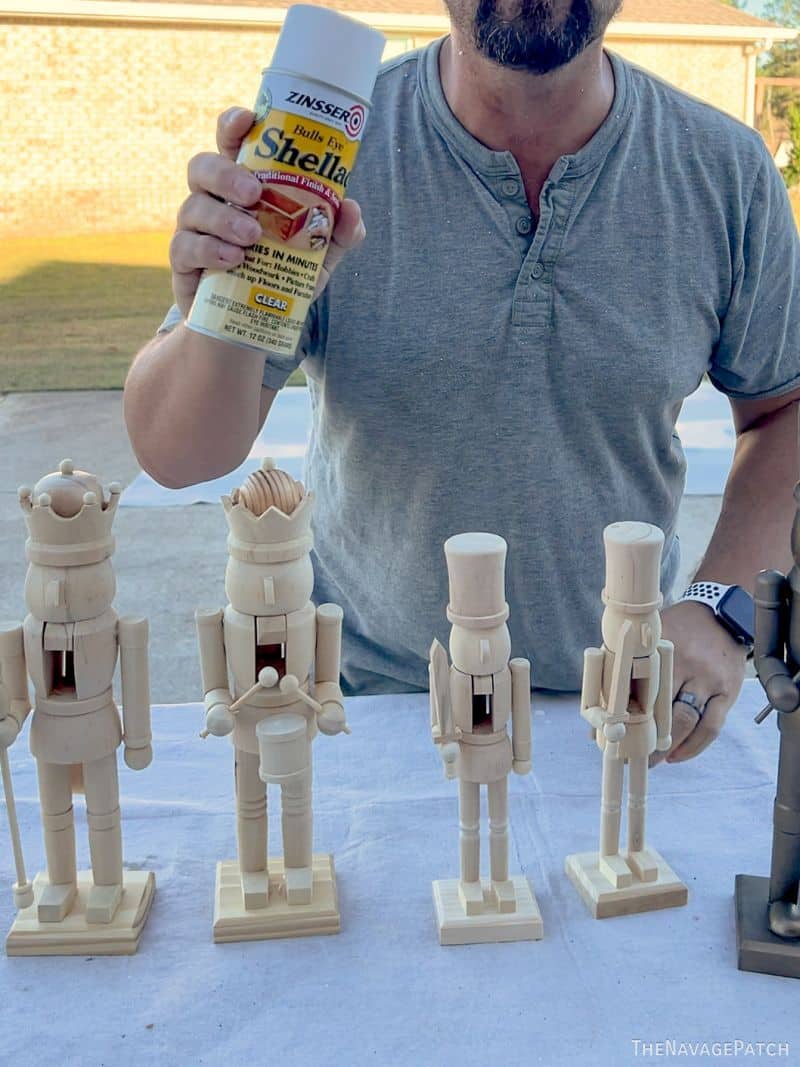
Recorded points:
(329, 47)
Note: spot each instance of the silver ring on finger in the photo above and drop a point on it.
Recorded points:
(692, 700)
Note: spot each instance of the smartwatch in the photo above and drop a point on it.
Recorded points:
(732, 605)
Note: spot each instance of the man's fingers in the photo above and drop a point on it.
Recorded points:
(349, 230)
(232, 127)
(195, 251)
(348, 233)
(203, 214)
(684, 720)
(189, 254)
(210, 173)
(706, 731)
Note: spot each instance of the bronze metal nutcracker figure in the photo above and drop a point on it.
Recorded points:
(768, 909)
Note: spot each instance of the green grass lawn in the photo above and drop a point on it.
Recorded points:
(74, 311)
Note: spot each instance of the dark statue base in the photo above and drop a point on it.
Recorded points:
(758, 948)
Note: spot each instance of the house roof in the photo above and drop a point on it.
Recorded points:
(657, 19)
(683, 12)
(687, 12)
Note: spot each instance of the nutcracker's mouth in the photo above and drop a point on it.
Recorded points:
(271, 656)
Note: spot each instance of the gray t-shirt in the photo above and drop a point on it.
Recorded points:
(468, 373)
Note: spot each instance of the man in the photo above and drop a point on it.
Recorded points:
(560, 246)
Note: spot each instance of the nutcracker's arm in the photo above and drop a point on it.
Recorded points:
(327, 669)
(591, 687)
(13, 672)
(443, 730)
(662, 708)
(328, 655)
(620, 689)
(521, 714)
(772, 593)
(132, 634)
(213, 664)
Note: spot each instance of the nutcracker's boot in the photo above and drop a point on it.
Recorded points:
(640, 861)
(612, 866)
(251, 830)
(297, 826)
(55, 793)
(784, 908)
(469, 889)
(502, 885)
(105, 838)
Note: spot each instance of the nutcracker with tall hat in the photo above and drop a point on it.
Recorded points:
(768, 908)
(472, 700)
(68, 645)
(627, 700)
(257, 657)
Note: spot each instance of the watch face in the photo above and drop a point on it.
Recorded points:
(737, 612)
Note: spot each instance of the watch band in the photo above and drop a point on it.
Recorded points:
(715, 596)
(709, 593)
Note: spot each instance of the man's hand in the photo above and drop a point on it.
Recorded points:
(708, 663)
(214, 225)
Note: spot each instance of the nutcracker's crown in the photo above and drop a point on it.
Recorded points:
(269, 517)
(69, 518)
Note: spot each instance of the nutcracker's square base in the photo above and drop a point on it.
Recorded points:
(491, 925)
(278, 918)
(758, 948)
(603, 901)
(74, 936)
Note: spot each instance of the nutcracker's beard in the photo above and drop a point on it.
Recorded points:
(537, 35)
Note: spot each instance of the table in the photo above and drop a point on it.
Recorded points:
(383, 992)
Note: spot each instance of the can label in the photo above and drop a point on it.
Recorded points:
(301, 147)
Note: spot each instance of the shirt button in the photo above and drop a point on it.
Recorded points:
(510, 187)
(538, 271)
(524, 225)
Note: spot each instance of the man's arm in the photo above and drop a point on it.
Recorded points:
(752, 533)
(758, 505)
(194, 404)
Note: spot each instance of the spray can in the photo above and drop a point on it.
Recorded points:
(309, 120)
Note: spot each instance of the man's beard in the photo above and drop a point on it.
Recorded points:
(532, 40)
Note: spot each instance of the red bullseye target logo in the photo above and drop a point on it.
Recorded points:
(355, 120)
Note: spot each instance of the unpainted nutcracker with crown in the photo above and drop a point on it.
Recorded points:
(68, 645)
(257, 658)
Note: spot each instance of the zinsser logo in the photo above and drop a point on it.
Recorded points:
(352, 118)
(354, 123)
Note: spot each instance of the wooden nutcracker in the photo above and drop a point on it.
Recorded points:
(69, 645)
(768, 909)
(472, 701)
(265, 643)
(627, 700)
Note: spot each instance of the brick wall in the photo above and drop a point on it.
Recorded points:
(716, 73)
(98, 121)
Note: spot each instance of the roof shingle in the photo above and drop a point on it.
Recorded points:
(684, 12)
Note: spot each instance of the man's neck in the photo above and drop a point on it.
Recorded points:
(537, 117)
